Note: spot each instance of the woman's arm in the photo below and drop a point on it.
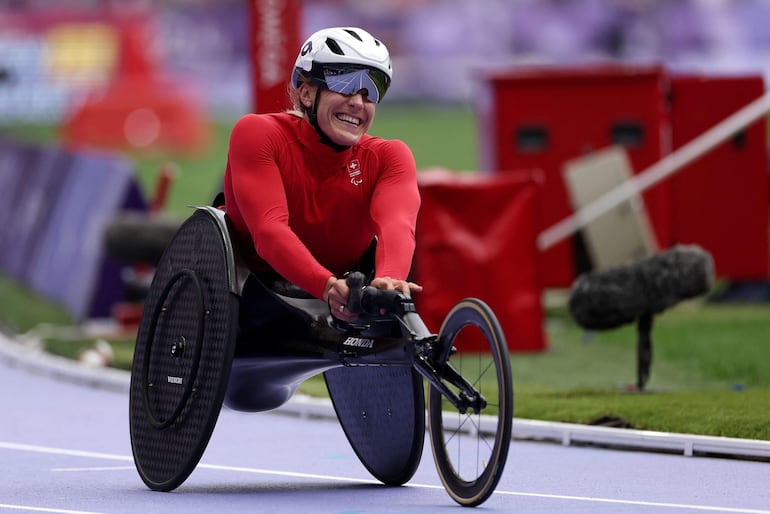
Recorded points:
(394, 208)
(258, 191)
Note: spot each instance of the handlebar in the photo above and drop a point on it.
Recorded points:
(368, 300)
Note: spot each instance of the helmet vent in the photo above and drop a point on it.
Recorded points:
(354, 34)
(334, 46)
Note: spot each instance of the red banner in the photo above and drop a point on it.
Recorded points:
(275, 41)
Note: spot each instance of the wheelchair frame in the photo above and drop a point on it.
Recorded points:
(374, 369)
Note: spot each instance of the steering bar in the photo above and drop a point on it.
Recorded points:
(371, 301)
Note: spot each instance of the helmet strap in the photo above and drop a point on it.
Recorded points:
(313, 115)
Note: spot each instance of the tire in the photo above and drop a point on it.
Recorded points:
(183, 354)
(138, 237)
(470, 449)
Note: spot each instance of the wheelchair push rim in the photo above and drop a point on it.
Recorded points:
(470, 449)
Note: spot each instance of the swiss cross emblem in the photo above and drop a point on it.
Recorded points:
(354, 171)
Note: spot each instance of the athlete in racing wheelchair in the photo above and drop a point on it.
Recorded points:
(303, 270)
(307, 191)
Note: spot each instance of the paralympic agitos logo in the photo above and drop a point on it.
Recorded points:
(354, 172)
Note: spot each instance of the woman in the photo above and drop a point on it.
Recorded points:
(307, 191)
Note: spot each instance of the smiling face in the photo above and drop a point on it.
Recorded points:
(343, 118)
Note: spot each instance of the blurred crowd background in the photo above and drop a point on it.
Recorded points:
(53, 52)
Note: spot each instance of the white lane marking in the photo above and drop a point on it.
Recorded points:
(100, 468)
(638, 503)
(44, 509)
(293, 474)
(63, 451)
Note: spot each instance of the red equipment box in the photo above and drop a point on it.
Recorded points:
(476, 238)
(540, 118)
(721, 200)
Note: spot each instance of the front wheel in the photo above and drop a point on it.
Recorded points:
(470, 448)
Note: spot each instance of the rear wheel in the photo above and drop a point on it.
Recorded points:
(470, 449)
(183, 354)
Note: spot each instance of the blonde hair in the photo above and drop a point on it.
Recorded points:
(297, 108)
(296, 105)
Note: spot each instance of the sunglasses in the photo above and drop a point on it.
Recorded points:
(350, 79)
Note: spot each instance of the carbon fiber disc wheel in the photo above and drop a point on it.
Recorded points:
(183, 354)
(382, 412)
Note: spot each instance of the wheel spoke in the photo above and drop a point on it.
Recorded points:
(470, 454)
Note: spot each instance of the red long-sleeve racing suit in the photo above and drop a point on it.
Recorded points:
(308, 212)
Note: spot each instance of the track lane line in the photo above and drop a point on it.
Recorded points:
(45, 509)
(295, 474)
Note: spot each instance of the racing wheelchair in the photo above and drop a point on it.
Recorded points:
(188, 363)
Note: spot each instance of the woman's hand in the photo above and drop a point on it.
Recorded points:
(402, 286)
(336, 294)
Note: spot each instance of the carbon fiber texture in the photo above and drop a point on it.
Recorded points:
(183, 355)
(382, 411)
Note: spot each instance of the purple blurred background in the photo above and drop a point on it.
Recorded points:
(48, 60)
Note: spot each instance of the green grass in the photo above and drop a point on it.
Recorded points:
(443, 137)
(710, 370)
(22, 310)
(710, 373)
(695, 345)
(716, 413)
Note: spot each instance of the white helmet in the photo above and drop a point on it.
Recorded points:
(345, 60)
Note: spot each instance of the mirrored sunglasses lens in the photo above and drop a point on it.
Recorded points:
(352, 82)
